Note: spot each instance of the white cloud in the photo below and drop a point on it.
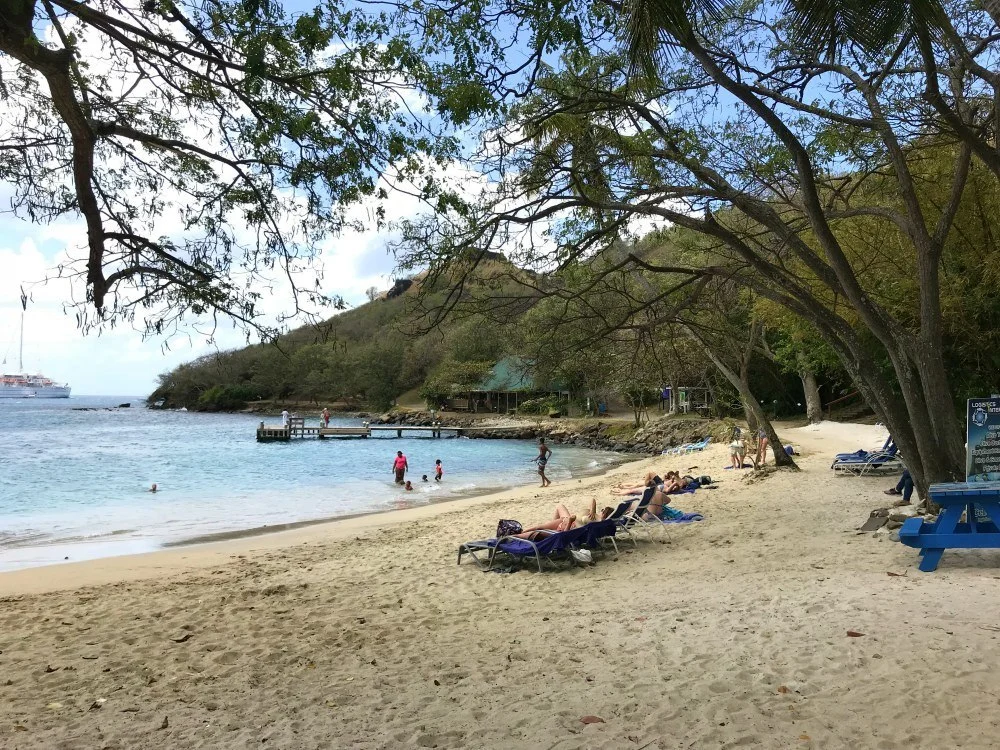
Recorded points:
(119, 361)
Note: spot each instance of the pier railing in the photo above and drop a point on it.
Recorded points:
(296, 428)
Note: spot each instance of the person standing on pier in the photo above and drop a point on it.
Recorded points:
(400, 467)
(544, 452)
(326, 417)
(284, 417)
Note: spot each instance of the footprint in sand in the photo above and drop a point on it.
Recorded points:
(227, 658)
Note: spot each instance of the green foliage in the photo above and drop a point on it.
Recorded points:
(239, 139)
(226, 397)
(453, 378)
(544, 405)
(363, 357)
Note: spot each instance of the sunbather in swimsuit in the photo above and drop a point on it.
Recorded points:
(657, 504)
(563, 520)
(636, 489)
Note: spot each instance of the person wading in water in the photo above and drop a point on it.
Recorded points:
(400, 467)
(543, 458)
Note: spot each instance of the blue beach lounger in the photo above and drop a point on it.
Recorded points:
(630, 520)
(886, 461)
(888, 447)
(689, 447)
(549, 548)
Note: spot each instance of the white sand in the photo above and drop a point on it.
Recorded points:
(365, 634)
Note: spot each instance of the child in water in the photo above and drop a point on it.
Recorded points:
(438, 470)
(424, 478)
(408, 486)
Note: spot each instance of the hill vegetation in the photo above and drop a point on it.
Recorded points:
(368, 356)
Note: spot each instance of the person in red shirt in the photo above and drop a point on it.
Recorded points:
(438, 470)
(400, 467)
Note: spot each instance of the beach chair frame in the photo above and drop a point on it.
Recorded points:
(632, 519)
(689, 447)
(878, 463)
(577, 538)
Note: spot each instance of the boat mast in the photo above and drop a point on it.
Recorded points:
(20, 349)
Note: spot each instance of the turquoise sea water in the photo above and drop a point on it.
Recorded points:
(73, 483)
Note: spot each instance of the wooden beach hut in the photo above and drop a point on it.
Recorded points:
(509, 383)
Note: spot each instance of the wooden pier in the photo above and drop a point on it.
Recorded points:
(297, 428)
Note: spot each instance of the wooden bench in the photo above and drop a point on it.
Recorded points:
(979, 501)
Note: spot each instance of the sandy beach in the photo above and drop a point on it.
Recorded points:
(731, 632)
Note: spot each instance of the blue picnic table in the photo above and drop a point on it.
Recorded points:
(979, 501)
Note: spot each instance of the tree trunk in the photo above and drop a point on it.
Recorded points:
(814, 407)
(906, 353)
(751, 404)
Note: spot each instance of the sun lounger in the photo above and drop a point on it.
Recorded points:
(874, 463)
(599, 531)
(549, 548)
(689, 447)
(860, 463)
(629, 521)
(859, 455)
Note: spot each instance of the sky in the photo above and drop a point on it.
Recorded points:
(119, 361)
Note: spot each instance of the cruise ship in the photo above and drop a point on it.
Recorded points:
(29, 386)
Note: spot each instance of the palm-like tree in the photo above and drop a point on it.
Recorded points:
(818, 24)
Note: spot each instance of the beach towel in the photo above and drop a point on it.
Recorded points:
(685, 518)
(668, 513)
(687, 490)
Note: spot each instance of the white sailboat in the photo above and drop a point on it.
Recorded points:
(29, 386)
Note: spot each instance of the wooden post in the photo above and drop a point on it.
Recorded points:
(399, 433)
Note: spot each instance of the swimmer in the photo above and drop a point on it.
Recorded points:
(153, 488)
(408, 486)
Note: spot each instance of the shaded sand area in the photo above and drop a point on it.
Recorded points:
(365, 634)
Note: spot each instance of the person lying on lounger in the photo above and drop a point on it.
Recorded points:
(675, 482)
(657, 502)
(650, 479)
(563, 520)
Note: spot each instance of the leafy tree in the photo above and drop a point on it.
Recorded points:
(205, 145)
(377, 367)
(779, 182)
(453, 378)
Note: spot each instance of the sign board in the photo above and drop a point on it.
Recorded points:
(982, 451)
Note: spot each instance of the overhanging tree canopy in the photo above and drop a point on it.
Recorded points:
(774, 152)
(208, 145)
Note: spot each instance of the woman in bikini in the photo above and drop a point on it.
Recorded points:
(563, 520)
(636, 489)
(675, 482)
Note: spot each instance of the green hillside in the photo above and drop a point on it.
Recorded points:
(362, 357)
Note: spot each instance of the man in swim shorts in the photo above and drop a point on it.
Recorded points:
(543, 458)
